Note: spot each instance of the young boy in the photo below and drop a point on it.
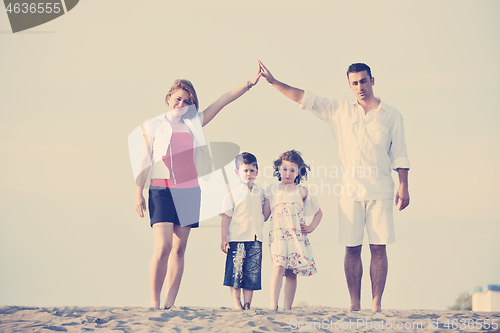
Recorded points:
(242, 221)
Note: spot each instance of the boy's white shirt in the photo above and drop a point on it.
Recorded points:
(246, 214)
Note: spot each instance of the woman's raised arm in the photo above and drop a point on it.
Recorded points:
(227, 98)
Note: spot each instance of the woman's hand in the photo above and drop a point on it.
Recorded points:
(257, 76)
(140, 204)
(229, 97)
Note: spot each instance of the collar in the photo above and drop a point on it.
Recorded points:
(382, 106)
(242, 187)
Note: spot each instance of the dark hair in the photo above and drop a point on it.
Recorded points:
(294, 157)
(359, 67)
(246, 158)
(189, 88)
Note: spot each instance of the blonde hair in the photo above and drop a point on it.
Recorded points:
(186, 86)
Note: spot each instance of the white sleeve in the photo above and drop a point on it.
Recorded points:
(397, 151)
(311, 205)
(227, 206)
(321, 107)
(140, 143)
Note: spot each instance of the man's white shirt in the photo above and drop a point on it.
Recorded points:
(369, 146)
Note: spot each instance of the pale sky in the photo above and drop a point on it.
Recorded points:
(73, 89)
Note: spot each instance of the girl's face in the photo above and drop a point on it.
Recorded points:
(288, 171)
(178, 99)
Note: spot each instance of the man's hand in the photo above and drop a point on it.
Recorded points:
(266, 73)
(294, 94)
(403, 196)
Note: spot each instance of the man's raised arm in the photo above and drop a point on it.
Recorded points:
(294, 94)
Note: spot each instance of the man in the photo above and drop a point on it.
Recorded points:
(371, 143)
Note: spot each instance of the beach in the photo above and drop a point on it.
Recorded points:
(223, 319)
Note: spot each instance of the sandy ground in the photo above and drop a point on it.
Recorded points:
(198, 319)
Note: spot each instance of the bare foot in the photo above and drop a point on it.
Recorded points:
(155, 305)
(376, 306)
(354, 308)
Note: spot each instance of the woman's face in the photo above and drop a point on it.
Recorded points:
(178, 99)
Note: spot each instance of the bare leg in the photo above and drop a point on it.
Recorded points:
(290, 288)
(275, 286)
(236, 294)
(378, 274)
(162, 233)
(176, 263)
(353, 273)
(247, 296)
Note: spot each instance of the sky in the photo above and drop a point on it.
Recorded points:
(73, 89)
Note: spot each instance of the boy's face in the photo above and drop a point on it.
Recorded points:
(247, 173)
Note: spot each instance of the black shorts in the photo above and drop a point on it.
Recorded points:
(180, 206)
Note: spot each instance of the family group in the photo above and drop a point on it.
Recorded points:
(368, 133)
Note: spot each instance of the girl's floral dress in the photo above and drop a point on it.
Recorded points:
(289, 247)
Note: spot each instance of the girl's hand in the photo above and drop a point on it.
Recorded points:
(266, 73)
(306, 229)
(140, 204)
(256, 77)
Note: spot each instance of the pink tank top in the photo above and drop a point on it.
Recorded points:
(179, 161)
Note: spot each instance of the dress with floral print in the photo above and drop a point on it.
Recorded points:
(289, 247)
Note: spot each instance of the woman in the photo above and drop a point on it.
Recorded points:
(175, 150)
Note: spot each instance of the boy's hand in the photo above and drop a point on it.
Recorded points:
(306, 229)
(224, 245)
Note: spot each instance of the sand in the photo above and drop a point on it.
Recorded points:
(199, 319)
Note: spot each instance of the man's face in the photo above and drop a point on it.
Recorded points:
(361, 85)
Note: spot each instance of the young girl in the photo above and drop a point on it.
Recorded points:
(174, 154)
(287, 203)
